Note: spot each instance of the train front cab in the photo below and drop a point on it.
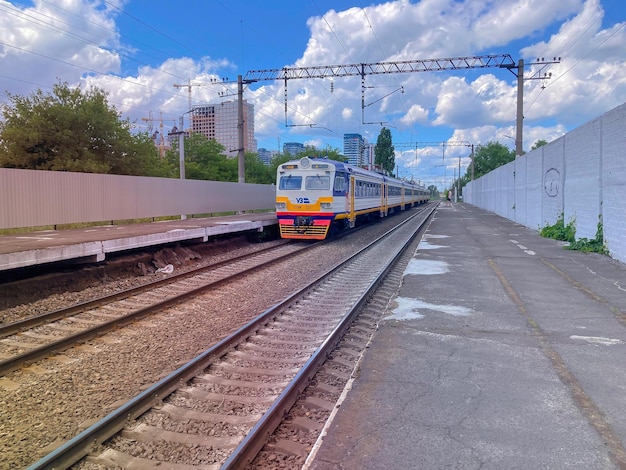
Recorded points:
(304, 199)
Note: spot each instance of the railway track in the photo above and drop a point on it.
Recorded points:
(218, 410)
(34, 338)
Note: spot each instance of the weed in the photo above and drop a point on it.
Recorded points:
(595, 245)
(567, 233)
(560, 231)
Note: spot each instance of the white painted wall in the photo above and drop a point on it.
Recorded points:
(581, 175)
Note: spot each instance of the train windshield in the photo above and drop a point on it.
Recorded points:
(317, 182)
(290, 182)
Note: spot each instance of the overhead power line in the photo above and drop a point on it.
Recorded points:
(363, 69)
(377, 68)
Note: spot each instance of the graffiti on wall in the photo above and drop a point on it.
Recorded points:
(552, 182)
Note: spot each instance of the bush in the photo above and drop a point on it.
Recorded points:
(595, 245)
(567, 233)
(560, 231)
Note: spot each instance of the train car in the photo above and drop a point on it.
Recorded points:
(315, 196)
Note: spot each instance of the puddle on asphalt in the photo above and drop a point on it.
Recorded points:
(426, 267)
(408, 309)
(427, 246)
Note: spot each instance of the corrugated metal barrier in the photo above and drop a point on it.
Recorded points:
(34, 198)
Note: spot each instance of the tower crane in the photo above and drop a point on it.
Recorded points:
(189, 85)
(158, 136)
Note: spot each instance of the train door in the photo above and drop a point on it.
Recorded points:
(385, 192)
(351, 202)
(341, 191)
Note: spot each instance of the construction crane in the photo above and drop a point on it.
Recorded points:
(158, 136)
(189, 85)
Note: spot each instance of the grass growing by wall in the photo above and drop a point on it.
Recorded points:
(567, 233)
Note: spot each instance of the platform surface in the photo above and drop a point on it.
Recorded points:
(501, 350)
(94, 243)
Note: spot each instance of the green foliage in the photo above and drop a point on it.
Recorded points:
(313, 152)
(560, 231)
(595, 245)
(384, 152)
(490, 156)
(567, 233)
(539, 143)
(257, 172)
(72, 130)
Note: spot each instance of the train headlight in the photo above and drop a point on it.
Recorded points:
(325, 205)
(281, 206)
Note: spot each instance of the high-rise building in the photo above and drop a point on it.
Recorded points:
(266, 155)
(221, 121)
(353, 149)
(293, 148)
(369, 156)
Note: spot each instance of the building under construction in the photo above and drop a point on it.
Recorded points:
(220, 122)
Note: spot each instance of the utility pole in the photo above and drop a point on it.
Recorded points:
(472, 162)
(518, 71)
(519, 120)
(241, 154)
(451, 143)
(181, 151)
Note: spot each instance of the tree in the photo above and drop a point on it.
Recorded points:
(384, 153)
(257, 171)
(490, 156)
(204, 160)
(313, 152)
(71, 130)
(539, 143)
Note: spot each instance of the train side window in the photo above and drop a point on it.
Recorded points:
(290, 182)
(340, 183)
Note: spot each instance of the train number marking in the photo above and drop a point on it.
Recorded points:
(302, 200)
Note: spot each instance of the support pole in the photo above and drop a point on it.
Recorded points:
(519, 126)
(241, 156)
(181, 149)
(472, 162)
(181, 155)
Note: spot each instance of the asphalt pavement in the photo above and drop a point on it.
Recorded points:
(501, 350)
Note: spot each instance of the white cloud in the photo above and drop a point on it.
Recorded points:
(48, 41)
(469, 105)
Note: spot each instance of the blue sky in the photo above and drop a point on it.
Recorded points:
(137, 50)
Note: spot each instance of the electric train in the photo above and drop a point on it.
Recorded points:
(315, 196)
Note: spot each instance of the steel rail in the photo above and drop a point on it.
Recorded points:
(254, 441)
(81, 445)
(36, 320)
(15, 362)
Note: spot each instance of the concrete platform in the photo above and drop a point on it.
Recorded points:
(94, 243)
(501, 350)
